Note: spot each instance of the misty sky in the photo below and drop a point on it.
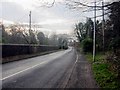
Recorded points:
(59, 18)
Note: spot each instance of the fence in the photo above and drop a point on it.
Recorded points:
(9, 50)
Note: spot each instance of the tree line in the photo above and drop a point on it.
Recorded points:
(15, 34)
(84, 33)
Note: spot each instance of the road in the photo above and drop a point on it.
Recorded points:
(47, 71)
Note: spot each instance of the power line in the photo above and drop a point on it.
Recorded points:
(100, 15)
(90, 10)
(97, 6)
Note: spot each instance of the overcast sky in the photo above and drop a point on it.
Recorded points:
(59, 18)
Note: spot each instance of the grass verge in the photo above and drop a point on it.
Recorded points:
(104, 77)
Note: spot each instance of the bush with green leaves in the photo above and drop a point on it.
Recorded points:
(87, 45)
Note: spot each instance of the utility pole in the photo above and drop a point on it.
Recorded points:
(30, 26)
(103, 27)
(94, 36)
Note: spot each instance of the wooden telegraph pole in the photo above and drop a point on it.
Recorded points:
(103, 27)
(30, 27)
(94, 36)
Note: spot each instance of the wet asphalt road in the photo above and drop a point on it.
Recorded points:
(47, 71)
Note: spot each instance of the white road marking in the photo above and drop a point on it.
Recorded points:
(71, 72)
(23, 70)
(28, 69)
(76, 59)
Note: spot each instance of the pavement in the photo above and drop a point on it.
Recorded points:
(82, 75)
(62, 69)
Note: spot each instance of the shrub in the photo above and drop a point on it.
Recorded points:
(87, 45)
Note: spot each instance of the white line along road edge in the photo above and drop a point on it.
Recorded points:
(23, 70)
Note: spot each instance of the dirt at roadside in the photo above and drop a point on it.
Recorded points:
(82, 75)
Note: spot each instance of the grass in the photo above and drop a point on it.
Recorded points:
(104, 77)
